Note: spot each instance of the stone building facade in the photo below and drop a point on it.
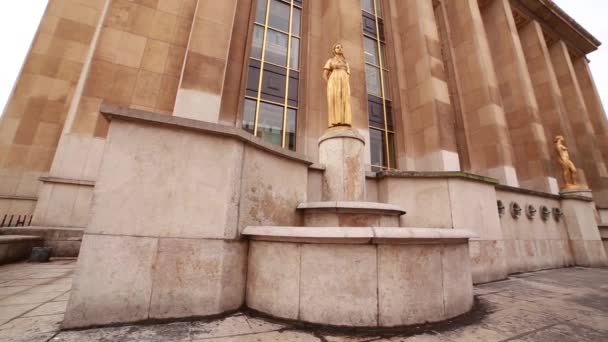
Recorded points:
(160, 126)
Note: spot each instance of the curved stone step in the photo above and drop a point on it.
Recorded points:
(350, 214)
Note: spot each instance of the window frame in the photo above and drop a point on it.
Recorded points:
(290, 101)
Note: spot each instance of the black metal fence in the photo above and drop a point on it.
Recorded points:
(11, 220)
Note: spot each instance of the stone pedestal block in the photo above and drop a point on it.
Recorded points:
(583, 232)
(341, 150)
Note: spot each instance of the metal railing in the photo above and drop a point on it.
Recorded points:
(12, 220)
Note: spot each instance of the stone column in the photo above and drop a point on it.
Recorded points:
(548, 94)
(483, 114)
(528, 139)
(341, 152)
(583, 233)
(423, 86)
(200, 89)
(576, 113)
(596, 112)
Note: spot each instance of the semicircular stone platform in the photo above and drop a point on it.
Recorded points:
(359, 276)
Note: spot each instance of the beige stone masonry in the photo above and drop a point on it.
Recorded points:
(364, 276)
(202, 76)
(341, 151)
(593, 102)
(580, 123)
(452, 200)
(173, 191)
(551, 107)
(585, 239)
(484, 119)
(528, 138)
(423, 86)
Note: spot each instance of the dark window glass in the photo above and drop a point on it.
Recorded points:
(375, 111)
(291, 128)
(279, 15)
(376, 142)
(253, 79)
(389, 115)
(260, 12)
(386, 83)
(294, 56)
(295, 25)
(276, 48)
(249, 115)
(377, 79)
(378, 8)
(270, 123)
(370, 50)
(367, 5)
(372, 78)
(256, 42)
(391, 150)
(369, 26)
(292, 98)
(272, 87)
(381, 29)
(273, 84)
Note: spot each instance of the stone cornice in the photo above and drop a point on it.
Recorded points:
(558, 24)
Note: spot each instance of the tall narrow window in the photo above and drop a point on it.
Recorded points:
(381, 130)
(271, 96)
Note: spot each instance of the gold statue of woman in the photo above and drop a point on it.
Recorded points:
(336, 73)
(568, 168)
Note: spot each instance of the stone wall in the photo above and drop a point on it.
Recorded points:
(168, 206)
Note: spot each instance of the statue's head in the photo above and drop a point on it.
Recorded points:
(337, 49)
(558, 139)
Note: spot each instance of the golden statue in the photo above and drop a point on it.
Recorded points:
(568, 168)
(336, 73)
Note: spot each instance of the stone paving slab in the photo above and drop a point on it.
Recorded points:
(557, 305)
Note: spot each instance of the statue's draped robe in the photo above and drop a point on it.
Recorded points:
(338, 92)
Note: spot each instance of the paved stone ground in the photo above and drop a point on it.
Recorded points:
(557, 305)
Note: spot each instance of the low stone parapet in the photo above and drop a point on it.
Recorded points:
(17, 247)
(359, 276)
(64, 241)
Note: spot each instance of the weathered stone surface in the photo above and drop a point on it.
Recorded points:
(342, 154)
(338, 285)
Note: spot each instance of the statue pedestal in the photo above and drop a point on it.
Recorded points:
(583, 233)
(576, 191)
(341, 151)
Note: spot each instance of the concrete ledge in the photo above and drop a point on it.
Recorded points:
(17, 247)
(357, 235)
(114, 112)
(341, 132)
(527, 191)
(352, 207)
(18, 198)
(59, 180)
(437, 174)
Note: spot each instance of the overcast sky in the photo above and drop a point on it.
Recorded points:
(19, 20)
